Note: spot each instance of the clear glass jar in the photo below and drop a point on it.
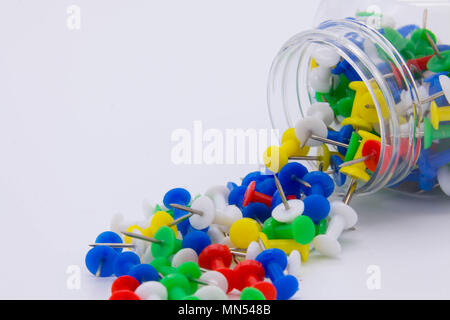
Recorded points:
(354, 29)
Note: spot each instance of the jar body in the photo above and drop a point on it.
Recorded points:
(361, 33)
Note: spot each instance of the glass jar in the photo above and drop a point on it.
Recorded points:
(361, 33)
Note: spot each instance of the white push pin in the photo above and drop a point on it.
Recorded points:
(294, 263)
(445, 85)
(184, 255)
(405, 104)
(225, 214)
(320, 79)
(147, 258)
(443, 177)
(218, 236)
(211, 293)
(323, 111)
(287, 210)
(312, 131)
(253, 250)
(201, 213)
(219, 195)
(326, 56)
(215, 278)
(151, 290)
(342, 217)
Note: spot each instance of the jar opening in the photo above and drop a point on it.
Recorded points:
(290, 93)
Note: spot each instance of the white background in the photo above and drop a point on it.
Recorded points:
(86, 118)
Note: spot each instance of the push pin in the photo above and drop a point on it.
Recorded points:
(342, 217)
(286, 211)
(312, 130)
(163, 244)
(201, 213)
(439, 114)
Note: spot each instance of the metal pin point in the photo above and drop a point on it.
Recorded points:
(303, 182)
(237, 253)
(424, 18)
(433, 45)
(325, 140)
(113, 245)
(99, 268)
(307, 158)
(261, 244)
(185, 217)
(355, 161)
(141, 237)
(351, 189)
(281, 192)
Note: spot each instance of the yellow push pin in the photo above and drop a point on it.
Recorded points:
(159, 219)
(276, 158)
(245, 231)
(355, 119)
(358, 170)
(286, 245)
(438, 114)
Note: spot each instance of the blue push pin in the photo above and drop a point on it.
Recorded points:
(253, 176)
(100, 261)
(317, 207)
(339, 178)
(426, 183)
(291, 177)
(177, 195)
(343, 136)
(429, 162)
(355, 38)
(236, 196)
(443, 47)
(406, 30)
(345, 68)
(274, 262)
(257, 211)
(196, 240)
(320, 182)
(231, 186)
(435, 87)
(144, 273)
(124, 262)
(182, 226)
(267, 186)
(109, 238)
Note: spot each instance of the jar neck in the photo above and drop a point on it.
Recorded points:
(289, 94)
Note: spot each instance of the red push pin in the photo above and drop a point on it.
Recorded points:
(124, 283)
(419, 64)
(397, 75)
(406, 148)
(250, 273)
(124, 295)
(254, 196)
(218, 257)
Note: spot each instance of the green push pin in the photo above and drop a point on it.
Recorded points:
(344, 106)
(353, 146)
(250, 293)
(168, 244)
(189, 269)
(164, 242)
(430, 134)
(177, 285)
(321, 227)
(302, 229)
(440, 64)
(420, 42)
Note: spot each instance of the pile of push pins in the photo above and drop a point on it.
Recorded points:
(252, 238)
